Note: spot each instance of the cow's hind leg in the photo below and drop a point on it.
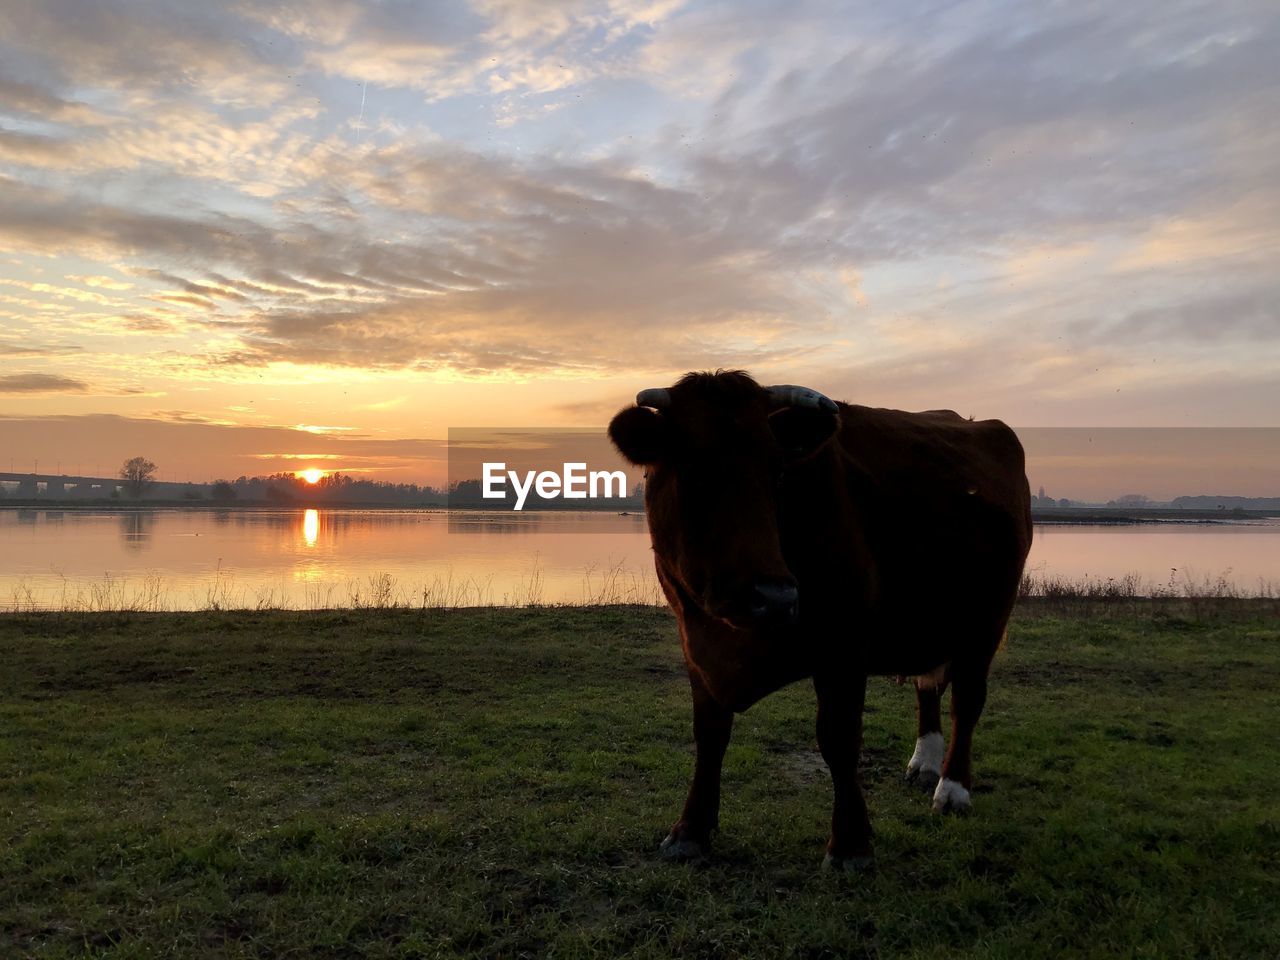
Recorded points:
(840, 740)
(968, 697)
(690, 838)
(924, 769)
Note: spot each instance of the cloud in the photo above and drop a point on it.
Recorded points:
(40, 383)
(33, 149)
(191, 46)
(28, 100)
(11, 349)
(183, 445)
(986, 210)
(591, 411)
(573, 248)
(187, 416)
(107, 283)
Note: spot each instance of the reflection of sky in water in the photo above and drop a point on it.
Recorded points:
(320, 557)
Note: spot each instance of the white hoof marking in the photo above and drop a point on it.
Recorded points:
(950, 796)
(930, 750)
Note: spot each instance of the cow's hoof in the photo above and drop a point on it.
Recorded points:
(926, 781)
(682, 850)
(924, 769)
(951, 797)
(859, 865)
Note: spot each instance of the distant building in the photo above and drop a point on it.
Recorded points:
(1041, 500)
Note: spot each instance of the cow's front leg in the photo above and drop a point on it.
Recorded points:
(840, 740)
(690, 838)
(924, 769)
(968, 696)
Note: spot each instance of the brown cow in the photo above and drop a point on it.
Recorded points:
(796, 537)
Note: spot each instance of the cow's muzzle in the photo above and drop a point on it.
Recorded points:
(766, 603)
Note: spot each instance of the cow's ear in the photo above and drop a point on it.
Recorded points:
(640, 434)
(802, 431)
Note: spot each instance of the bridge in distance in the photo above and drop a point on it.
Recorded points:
(64, 486)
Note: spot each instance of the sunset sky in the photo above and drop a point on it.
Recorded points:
(240, 238)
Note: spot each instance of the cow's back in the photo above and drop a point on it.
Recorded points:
(926, 458)
(944, 506)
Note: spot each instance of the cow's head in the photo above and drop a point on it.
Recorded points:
(715, 447)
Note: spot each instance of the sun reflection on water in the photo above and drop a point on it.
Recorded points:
(311, 526)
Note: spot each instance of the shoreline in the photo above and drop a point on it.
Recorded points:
(1086, 516)
(1066, 606)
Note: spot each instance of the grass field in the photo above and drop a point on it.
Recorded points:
(496, 782)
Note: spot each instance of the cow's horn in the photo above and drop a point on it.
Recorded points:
(789, 395)
(657, 397)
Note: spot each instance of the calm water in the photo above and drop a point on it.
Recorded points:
(317, 558)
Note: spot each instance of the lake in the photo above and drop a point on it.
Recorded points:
(305, 558)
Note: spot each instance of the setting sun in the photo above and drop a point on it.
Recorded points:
(311, 476)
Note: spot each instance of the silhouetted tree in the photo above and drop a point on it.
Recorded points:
(1131, 500)
(276, 494)
(223, 491)
(136, 474)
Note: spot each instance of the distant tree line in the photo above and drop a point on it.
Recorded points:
(1226, 503)
(333, 488)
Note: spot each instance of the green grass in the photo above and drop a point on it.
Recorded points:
(496, 782)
